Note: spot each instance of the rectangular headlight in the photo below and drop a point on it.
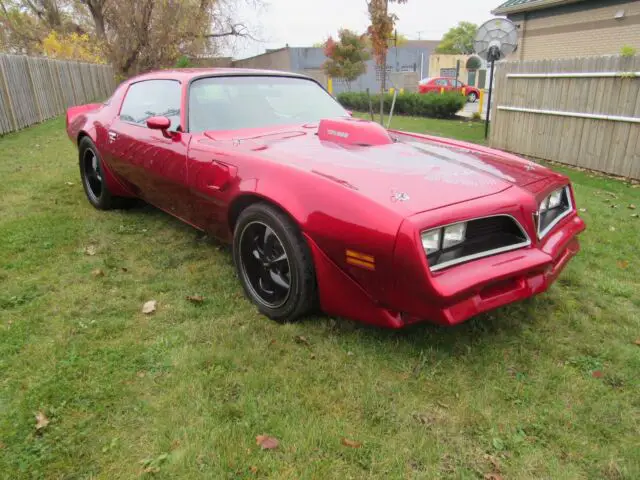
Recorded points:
(454, 234)
(552, 209)
(431, 240)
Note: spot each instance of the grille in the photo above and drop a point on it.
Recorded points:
(484, 237)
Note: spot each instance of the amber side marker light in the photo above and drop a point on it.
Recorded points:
(361, 260)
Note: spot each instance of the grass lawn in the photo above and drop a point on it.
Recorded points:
(546, 388)
(460, 128)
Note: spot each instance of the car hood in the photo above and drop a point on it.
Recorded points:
(412, 174)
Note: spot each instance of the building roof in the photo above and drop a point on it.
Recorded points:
(518, 6)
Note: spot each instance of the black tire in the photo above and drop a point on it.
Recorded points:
(91, 175)
(262, 270)
(472, 97)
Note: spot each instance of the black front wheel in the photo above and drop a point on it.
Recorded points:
(274, 263)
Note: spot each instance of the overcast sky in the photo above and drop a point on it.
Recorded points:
(300, 23)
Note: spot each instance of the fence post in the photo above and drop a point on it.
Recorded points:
(5, 86)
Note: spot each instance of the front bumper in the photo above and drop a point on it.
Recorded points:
(453, 295)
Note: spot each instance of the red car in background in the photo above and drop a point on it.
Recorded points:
(449, 85)
(324, 210)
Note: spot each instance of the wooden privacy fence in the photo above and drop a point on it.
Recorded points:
(35, 89)
(579, 111)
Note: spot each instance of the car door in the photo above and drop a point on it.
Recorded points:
(153, 161)
(441, 83)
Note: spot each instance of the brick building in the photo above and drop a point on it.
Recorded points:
(571, 28)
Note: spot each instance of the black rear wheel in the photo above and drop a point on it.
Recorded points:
(274, 263)
(93, 181)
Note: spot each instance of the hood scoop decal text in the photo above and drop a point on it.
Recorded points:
(353, 131)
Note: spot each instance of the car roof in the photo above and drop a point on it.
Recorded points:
(186, 74)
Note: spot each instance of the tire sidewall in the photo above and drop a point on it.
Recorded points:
(298, 294)
(472, 97)
(103, 201)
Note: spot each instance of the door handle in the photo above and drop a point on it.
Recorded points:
(112, 135)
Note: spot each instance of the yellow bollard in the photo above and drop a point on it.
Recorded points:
(391, 90)
(401, 91)
(481, 101)
(330, 85)
(441, 90)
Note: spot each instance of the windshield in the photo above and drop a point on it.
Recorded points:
(231, 103)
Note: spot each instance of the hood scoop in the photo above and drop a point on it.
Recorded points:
(353, 131)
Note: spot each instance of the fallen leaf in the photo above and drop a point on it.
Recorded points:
(97, 273)
(492, 476)
(612, 229)
(90, 250)
(443, 405)
(349, 354)
(195, 298)
(69, 183)
(151, 470)
(637, 342)
(350, 443)
(253, 469)
(312, 356)
(623, 264)
(149, 307)
(140, 374)
(41, 421)
(596, 374)
(267, 442)
(583, 210)
(303, 340)
(635, 215)
(632, 206)
(273, 341)
(2, 445)
(175, 444)
(613, 205)
(124, 269)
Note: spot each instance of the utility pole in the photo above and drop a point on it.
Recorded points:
(383, 81)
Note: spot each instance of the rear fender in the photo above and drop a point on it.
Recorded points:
(76, 118)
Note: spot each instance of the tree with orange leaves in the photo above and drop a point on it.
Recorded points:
(380, 30)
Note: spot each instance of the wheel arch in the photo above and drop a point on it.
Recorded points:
(245, 200)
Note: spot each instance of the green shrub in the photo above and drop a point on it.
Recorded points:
(433, 105)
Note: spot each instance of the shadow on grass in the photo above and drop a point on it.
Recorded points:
(495, 329)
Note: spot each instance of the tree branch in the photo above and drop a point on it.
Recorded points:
(235, 30)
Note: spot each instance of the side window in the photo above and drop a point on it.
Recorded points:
(441, 82)
(152, 98)
(457, 83)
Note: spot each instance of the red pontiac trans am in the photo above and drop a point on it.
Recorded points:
(324, 210)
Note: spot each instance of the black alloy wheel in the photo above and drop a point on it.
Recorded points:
(265, 264)
(93, 179)
(274, 263)
(92, 174)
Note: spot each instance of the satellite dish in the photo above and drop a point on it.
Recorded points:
(495, 39)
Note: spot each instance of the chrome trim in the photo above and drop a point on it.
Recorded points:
(569, 210)
(488, 253)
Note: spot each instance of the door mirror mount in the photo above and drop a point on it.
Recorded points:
(160, 123)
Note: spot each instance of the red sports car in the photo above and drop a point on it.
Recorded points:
(429, 85)
(324, 210)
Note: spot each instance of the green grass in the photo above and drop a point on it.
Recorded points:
(184, 392)
(461, 128)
